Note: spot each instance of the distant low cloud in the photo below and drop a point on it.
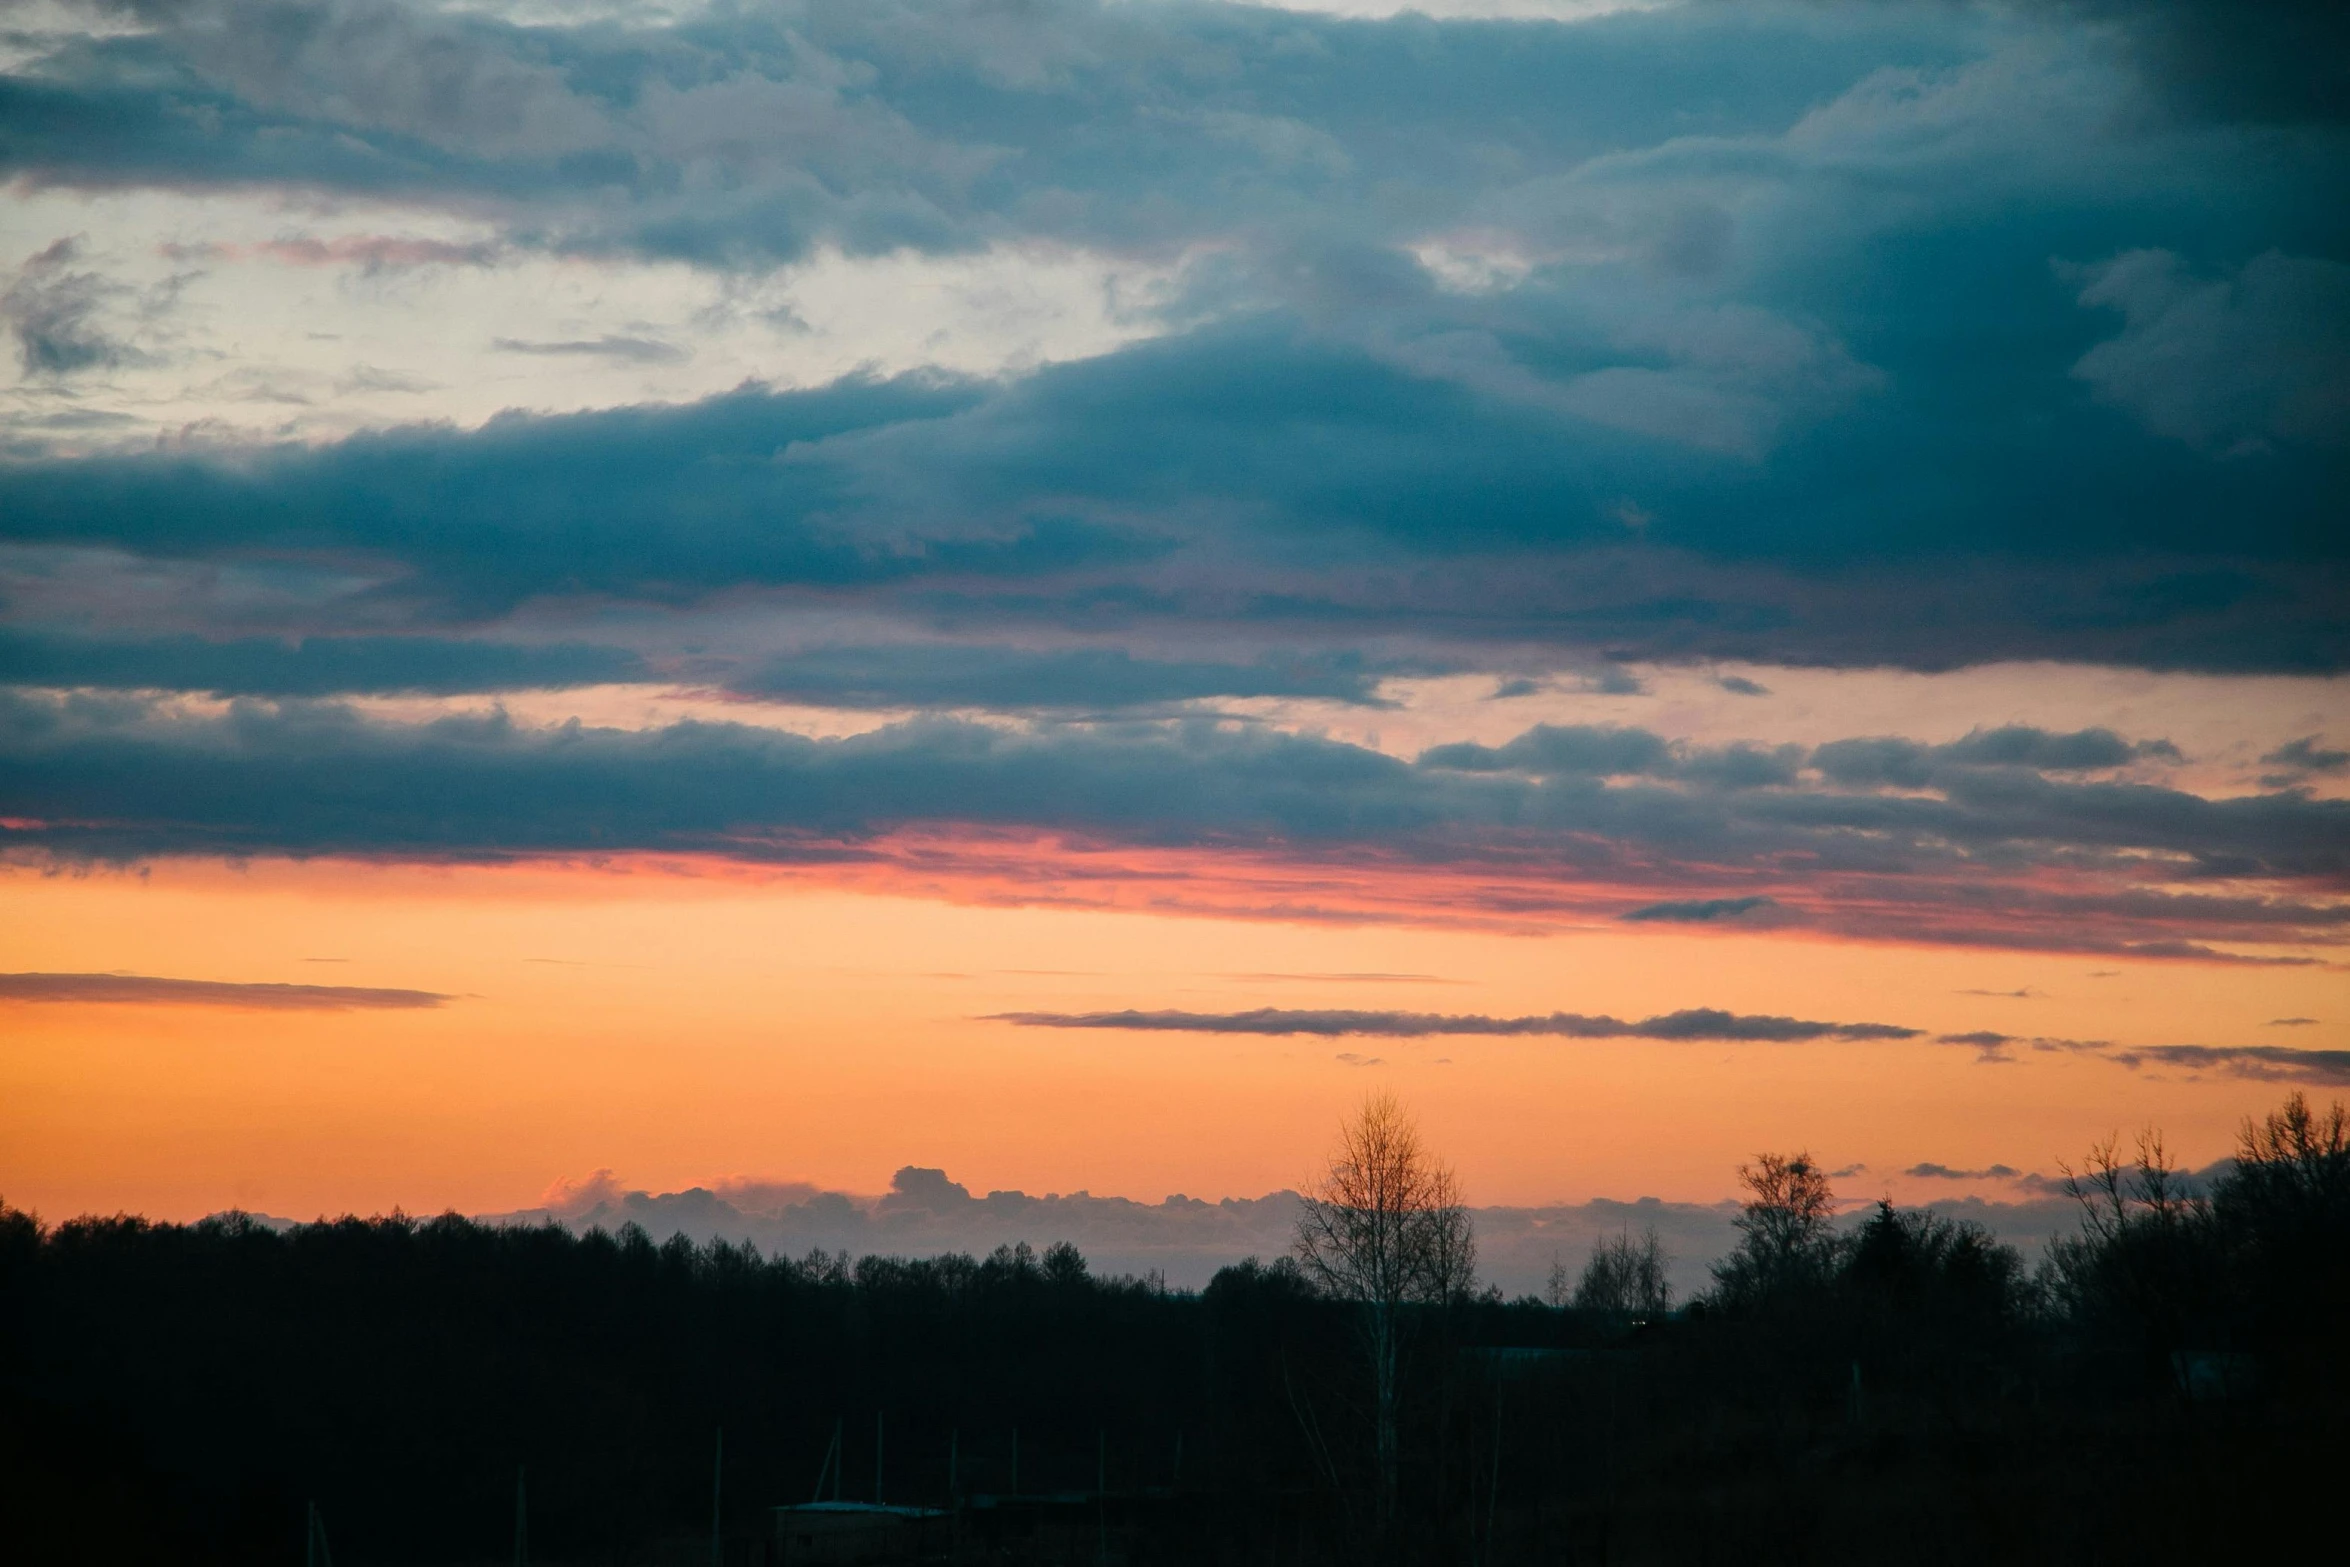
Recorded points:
(1691, 1023)
(1186, 1238)
(1943, 1172)
(2291, 1022)
(152, 990)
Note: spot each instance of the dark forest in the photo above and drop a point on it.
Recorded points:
(2163, 1385)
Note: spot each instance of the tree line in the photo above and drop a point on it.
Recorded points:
(2160, 1381)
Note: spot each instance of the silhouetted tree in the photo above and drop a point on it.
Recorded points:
(1625, 1278)
(1385, 1230)
(2146, 1265)
(1786, 1242)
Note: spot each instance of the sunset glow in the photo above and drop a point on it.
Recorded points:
(717, 597)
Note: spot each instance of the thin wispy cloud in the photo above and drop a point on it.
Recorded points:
(2273, 1062)
(1694, 1023)
(155, 990)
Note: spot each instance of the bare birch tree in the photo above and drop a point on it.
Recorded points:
(1385, 1228)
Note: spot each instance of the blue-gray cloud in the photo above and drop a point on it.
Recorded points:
(154, 990)
(1017, 679)
(1253, 475)
(313, 666)
(2305, 755)
(1699, 911)
(126, 777)
(1713, 394)
(1690, 1023)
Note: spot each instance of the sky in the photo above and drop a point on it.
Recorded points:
(752, 598)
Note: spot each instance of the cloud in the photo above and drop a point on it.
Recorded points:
(1250, 472)
(1349, 1058)
(2257, 1061)
(635, 350)
(1910, 764)
(1692, 1023)
(1739, 685)
(1186, 1238)
(55, 312)
(2270, 1062)
(1700, 910)
(1943, 1172)
(2305, 755)
(2228, 364)
(1605, 751)
(2291, 1022)
(308, 667)
(149, 990)
(1022, 679)
(127, 777)
(2270, 61)
(1599, 337)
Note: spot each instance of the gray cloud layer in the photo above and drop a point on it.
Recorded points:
(1185, 1238)
(124, 777)
(1604, 336)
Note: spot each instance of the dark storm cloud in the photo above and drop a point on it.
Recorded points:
(151, 990)
(1693, 1023)
(314, 666)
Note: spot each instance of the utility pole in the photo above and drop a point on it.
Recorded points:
(1015, 1460)
(877, 1433)
(717, 1525)
(1101, 1496)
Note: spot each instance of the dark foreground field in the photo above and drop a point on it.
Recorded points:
(2168, 1387)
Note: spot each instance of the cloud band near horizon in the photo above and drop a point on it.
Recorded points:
(1693, 1023)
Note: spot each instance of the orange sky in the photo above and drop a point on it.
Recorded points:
(678, 1026)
